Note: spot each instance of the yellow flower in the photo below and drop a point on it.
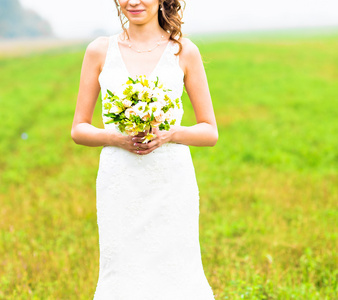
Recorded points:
(131, 130)
(148, 138)
(144, 81)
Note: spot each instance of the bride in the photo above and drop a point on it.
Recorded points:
(147, 196)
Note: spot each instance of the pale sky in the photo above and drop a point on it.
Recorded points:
(80, 18)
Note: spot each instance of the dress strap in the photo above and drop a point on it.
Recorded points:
(173, 48)
(110, 51)
(111, 55)
(171, 57)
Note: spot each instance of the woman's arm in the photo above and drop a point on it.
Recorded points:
(204, 133)
(83, 132)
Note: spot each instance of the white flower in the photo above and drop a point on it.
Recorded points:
(159, 94)
(169, 115)
(127, 103)
(129, 111)
(137, 87)
(155, 108)
(144, 91)
(160, 117)
(151, 85)
(115, 109)
(139, 109)
(162, 103)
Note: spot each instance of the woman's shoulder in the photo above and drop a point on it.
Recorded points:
(188, 43)
(190, 53)
(99, 46)
(189, 48)
(97, 50)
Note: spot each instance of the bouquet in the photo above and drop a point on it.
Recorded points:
(139, 106)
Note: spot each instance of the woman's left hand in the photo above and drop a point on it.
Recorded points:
(161, 137)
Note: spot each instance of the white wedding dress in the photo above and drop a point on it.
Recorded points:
(148, 207)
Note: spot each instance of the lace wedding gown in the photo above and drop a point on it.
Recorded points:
(148, 207)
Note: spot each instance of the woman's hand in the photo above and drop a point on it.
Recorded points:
(162, 137)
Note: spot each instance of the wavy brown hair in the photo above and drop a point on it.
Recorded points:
(170, 13)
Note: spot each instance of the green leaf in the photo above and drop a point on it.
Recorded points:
(110, 121)
(164, 127)
(110, 115)
(120, 104)
(110, 93)
(132, 80)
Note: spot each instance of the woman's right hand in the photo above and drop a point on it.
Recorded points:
(126, 142)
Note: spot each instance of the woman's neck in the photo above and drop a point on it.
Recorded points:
(142, 34)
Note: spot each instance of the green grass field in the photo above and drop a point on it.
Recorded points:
(269, 188)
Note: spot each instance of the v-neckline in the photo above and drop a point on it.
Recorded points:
(125, 66)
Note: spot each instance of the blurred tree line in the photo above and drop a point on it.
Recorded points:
(15, 21)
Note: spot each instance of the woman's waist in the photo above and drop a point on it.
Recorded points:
(167, 148)
(168, 159)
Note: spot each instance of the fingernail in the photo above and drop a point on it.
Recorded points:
(134, 144)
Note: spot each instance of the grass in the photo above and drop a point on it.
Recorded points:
(268, 189)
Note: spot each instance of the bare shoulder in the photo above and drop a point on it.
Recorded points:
(97, 50)
(190, 54)
(99, 46)
(189, 48)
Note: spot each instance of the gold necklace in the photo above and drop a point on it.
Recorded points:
(130, 45)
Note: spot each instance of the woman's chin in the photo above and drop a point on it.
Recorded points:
(137, 22)
(140, 19)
